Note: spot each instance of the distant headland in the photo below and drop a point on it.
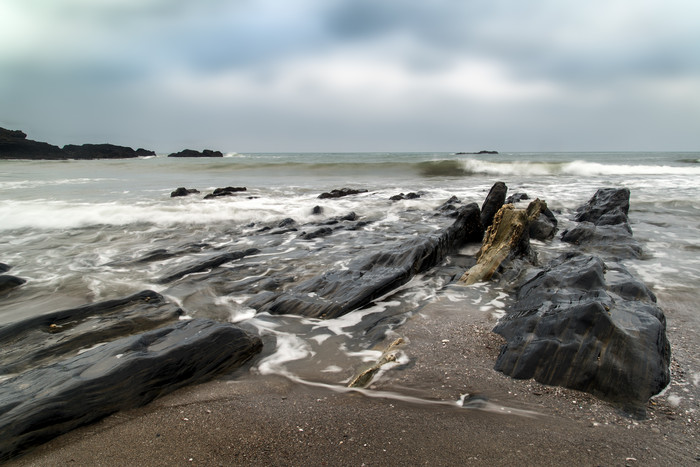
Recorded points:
(15, 145)
(480, 152)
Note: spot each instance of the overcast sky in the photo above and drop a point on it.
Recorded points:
(354, 75)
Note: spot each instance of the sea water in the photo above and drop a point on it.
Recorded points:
(75, 230)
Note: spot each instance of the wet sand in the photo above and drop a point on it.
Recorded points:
(271, 420)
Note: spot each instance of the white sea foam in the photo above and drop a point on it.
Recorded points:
(571, 168)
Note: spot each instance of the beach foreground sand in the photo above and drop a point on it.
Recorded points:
(271, 420)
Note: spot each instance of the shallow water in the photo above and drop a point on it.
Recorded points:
(77, 230)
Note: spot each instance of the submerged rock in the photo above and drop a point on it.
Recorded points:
(337, 292)
(4, 267)
(8, 282)
(206, 264)
(51, 336)
(48, 401)
(227, 191)
(340, 193)
(588, 326)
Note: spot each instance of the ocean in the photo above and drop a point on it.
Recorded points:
(78, 232)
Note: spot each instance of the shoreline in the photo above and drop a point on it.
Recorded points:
(271, 420)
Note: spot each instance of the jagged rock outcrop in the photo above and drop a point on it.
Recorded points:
(493, 202)
(52, 336)
(401, 196)
(603, 225)
(587, 325)
(193, 153)
(337, 292)
(507, 237)
(340, 193)
(45, 402)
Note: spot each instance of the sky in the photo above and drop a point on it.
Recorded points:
(354, 75)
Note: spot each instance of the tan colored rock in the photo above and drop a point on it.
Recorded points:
(365, 377)
(506, 237)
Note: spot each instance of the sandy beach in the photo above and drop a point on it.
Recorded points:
(413, 418)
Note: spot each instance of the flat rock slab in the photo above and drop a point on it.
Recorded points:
(52, 336)
(336, 293)
(588, 326)
(48, 401)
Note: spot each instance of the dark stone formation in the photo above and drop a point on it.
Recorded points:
(544, 227)
(351, 216)
(516, 198)
(402, 196)
(204, 265)
(605, 202)
(317, 210)
(286, 222)
(103, 151)
(182, 191)
(340, 193)
(45, 402)
(322, 232)
(483, 151)
(4, 267)
(51, 336)
(337, 292)
(449, 205)
(227, 191)
(493, 202)
(8, 282)
(193, 153)
(588, 326)
(15, 145)
(603, 225)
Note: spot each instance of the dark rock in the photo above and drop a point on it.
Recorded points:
(483, 151)
(603, 225)
(337, 292)
(45, 402)
(544, 227)
(449, 205)
(402, 196)
(604, 202)
(340, 193)
(322, 232)
(227, 191)
(51, 336)
(588, 326)
(286, 222)
(193, 153)
(351, 216)
(15, 145)
(204, 265)
(516, 198)
(103, 151)
(8, 282)
(182, 191)
(493, 202)
(4, 267)
(317, 210)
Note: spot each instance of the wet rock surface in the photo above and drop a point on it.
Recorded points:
(603, 225)
(47, 401)
(493, 202)
(340, 193)
(52, 336)
(8, 282)
(586, 325)
(226, 191)
(182, 191)
(337, 292)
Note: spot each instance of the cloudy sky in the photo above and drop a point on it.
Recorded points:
(354, 75)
